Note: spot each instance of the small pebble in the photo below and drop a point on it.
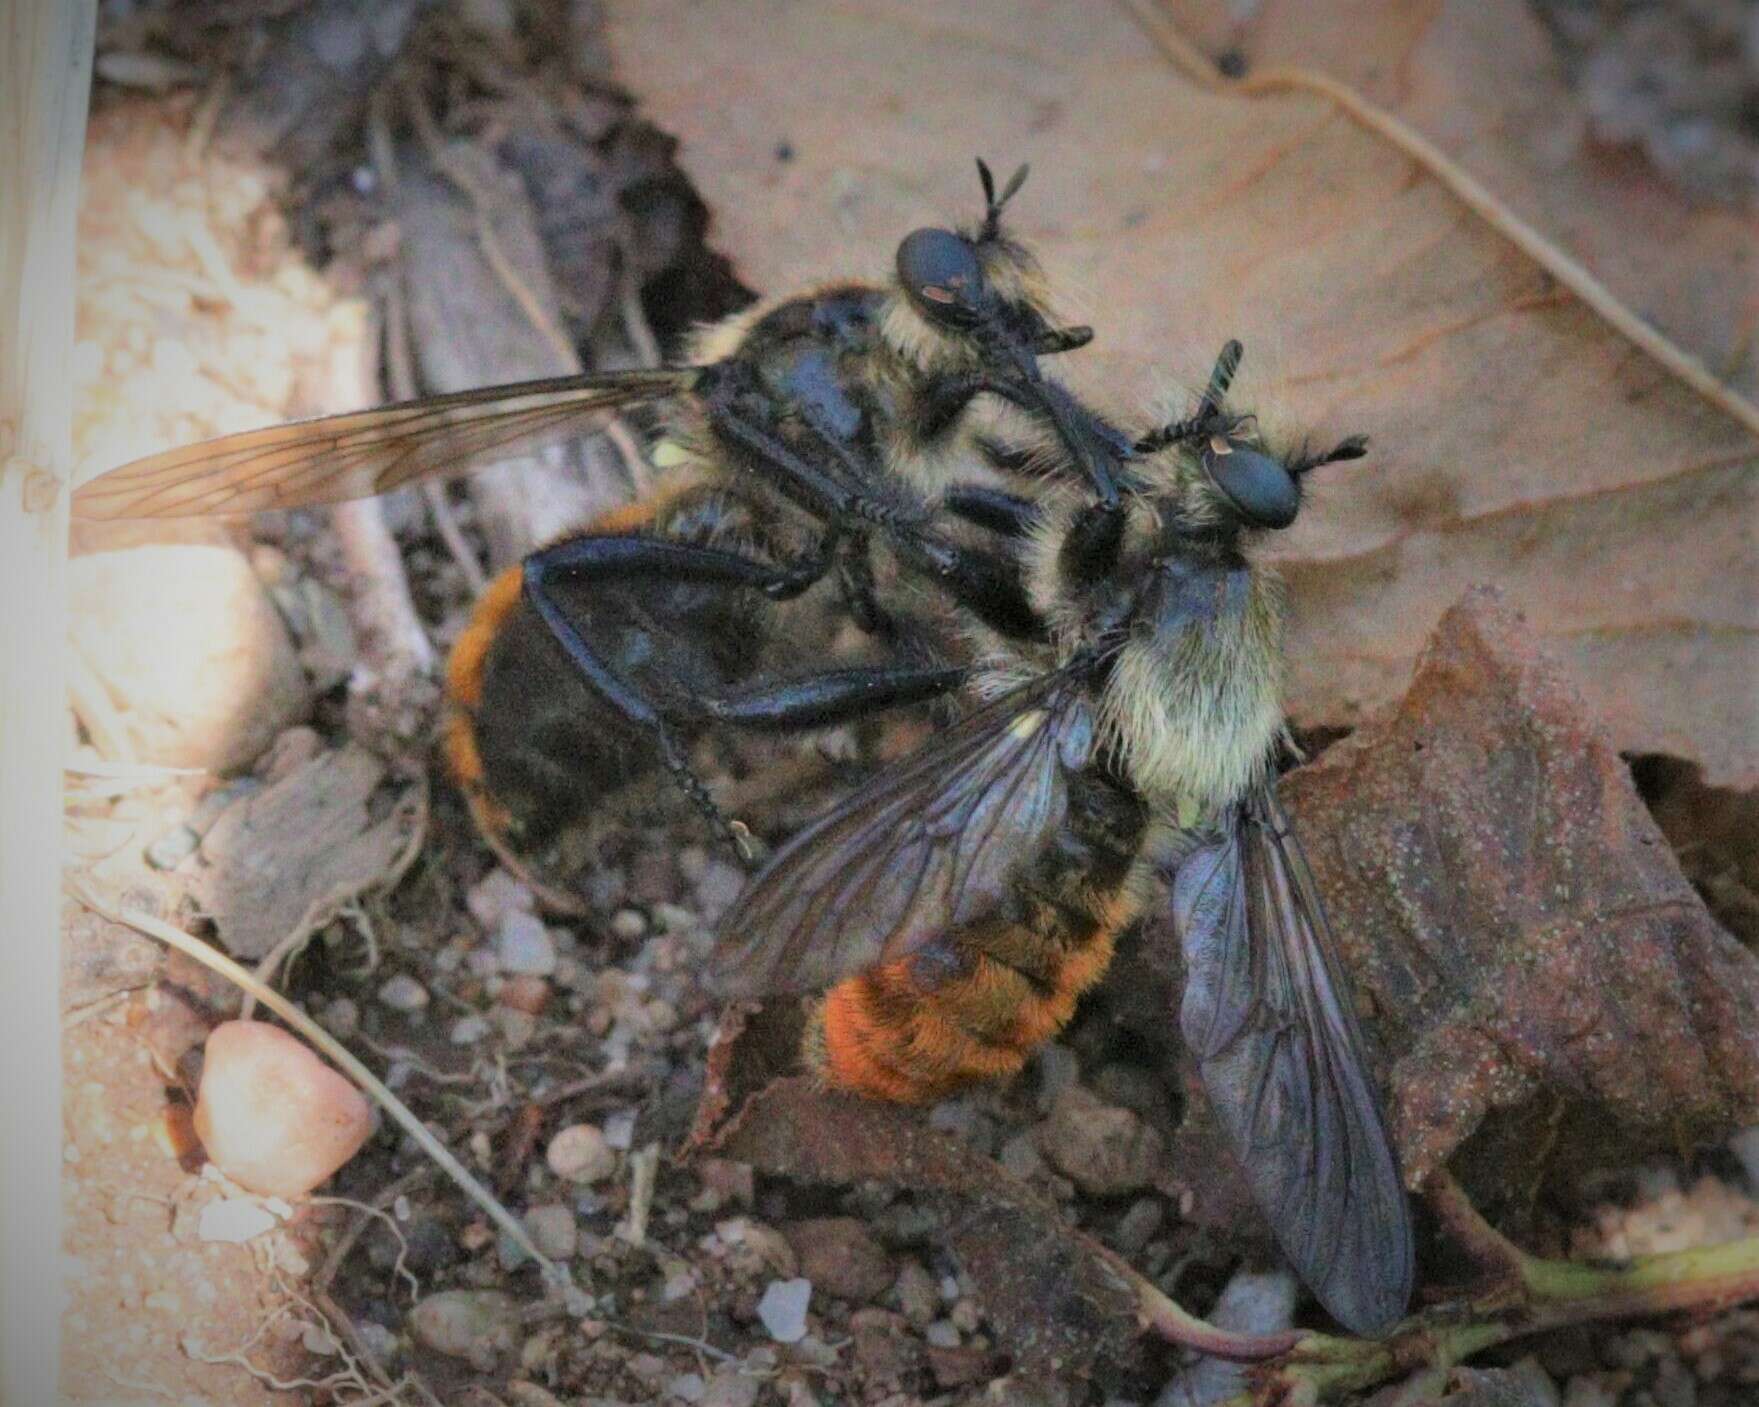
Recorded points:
(719, 886)
(917, 1294)
(620, 1129)
(528, 994)
(554, 1231)
(517, 1027)
(340, 1017)
(628, 925)
(687, 1387)
(580, 1153)
(1020, 1156)
(523, 945)
(840, 1258)
(674, 919)
(478, 1326)
(235, 1220)
(1057, 1070)
(783, 1309)
(468, 1030)
(272, 1115)
(1104, 1150)
(495, 896)
(404, 993)
(731, 1386)
(943, 1333)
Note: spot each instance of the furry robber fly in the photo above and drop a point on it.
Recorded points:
(805, 432)
(1119, 764)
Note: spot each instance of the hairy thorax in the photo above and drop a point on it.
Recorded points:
(1194, 703)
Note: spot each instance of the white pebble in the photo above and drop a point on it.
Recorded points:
(234, 1220)
(628, 925)
(620, 1129)
(523, 946)
(783, 1309)
(404, 993)
(468, 1030)
(580, 1153)
(496, 895)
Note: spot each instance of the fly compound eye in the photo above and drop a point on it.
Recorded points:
(939, 271)
(1260, 487)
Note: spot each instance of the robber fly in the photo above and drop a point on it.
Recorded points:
(1119, 759)
(803, 432)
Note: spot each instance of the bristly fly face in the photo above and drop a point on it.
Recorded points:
(980, 284)
(1247, 486)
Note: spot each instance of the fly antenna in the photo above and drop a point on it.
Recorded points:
(1209, 408)
(993, 204)
(1353, 448)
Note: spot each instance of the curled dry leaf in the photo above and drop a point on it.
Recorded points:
(1554, 989)
(1516, 437)
(283, 860)
(1052, 1294)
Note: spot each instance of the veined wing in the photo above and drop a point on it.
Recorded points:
(1268, 1016)
(928, 845)
(365, 452)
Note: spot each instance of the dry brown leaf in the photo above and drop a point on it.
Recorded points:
(1482, 79)
(1517, 438)
(284, 859)
(1524, 935)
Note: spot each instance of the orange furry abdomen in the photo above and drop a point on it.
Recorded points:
(882, 1034)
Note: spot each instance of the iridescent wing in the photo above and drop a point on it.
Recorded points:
(365, 452)
(1267, 1014)
(930, 844)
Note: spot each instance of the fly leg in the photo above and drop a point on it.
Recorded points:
(834, 696)
(984, 583)
(1095, 446)
(1010, 515)
(611, 559)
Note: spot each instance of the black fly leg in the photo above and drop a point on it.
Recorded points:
(988, 584)
(1001, 512)
(608, 559)
(835, 696)
(1090, 551)
(794, 476)
(1096, 447)
(856, 584)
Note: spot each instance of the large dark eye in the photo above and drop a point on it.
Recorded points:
(939, 271)
(1260, 487)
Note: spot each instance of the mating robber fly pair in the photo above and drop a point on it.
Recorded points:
(1086, 600)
